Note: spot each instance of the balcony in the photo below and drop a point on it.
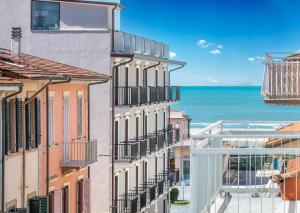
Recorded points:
(281, 79)
(152, 142)
(170, 137)
(127, 203)
(79, 153)
(176, 176)
(141, 95)
(177, 135)
(161, 138)
(127, 43)
(131, 150)
(243, 173)
(127, 151)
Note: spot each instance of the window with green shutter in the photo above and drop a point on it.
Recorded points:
(38, 204)
(7, 127)
(37, 122)
(28, 127)
(19, 123)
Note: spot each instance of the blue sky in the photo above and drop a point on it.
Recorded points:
(223, 41)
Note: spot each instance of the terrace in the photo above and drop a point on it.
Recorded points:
(242, 174)
(282, 78)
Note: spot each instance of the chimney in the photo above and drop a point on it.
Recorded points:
(16, 35)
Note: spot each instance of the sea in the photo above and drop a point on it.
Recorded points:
(209, 104)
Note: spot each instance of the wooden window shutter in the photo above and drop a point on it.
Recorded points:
(51, 202)
(37, 122)
(28, 126)
(39, 204)
(58, 198)
(7, 127)
(50, 121)
(13, 125)
(19, 119)
(79, 115)
(84, 196)
(56, 201)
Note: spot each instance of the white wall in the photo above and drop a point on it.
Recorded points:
(87, 17)
(85, 49)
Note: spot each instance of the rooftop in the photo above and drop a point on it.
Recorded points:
(31, 67)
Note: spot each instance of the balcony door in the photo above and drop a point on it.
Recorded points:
(126, 137)
(137, 127)
(126, 95)
(137, 77)
(116, 82)
(126, 189)
(116, 139)
(66, 125)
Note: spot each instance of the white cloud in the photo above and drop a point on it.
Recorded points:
(256, 59)
(215, 49)
(215, 52)
(202, 43)
(213, 81)
(251, 59)
(172, 54)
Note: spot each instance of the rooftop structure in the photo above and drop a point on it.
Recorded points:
(241, 173)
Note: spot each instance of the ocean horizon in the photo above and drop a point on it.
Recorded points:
(209, 104)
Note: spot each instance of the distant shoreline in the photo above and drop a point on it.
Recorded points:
(220, 86)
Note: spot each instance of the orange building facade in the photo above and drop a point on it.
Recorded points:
(47, 139)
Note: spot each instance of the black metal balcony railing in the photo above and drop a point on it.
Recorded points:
(152, 192)
(160, 187)
(143, 147)
(176, 174)
(153, 94)
(127, 96)
(177, 135)
(173, 93)
(79, 153)
(126, 151)
(143, 198)
(152, 142)
(127, 203)
(161, 93)
(161, 140)
(143, 95)
(170, 136)
(139, 95)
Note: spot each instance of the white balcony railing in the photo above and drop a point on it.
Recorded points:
(232, 171)
(133, 44)
(282, 77)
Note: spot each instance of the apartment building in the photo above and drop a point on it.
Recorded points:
(180, 157)
(85, 34)
(143, 135)
(47, 147)
(77, 33)
(8, 86)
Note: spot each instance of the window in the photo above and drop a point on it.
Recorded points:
(79, 115)
(45, 15)
(50, 121)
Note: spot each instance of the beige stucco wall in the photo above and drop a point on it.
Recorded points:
(13, 176)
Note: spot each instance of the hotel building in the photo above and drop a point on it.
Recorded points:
(129, 117)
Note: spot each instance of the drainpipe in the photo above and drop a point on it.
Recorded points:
(113, 28)
(147, 68)
(172, 70)
(68, 80)
(3, 142)
(24, 134)
(113, 128)
(89, 116)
